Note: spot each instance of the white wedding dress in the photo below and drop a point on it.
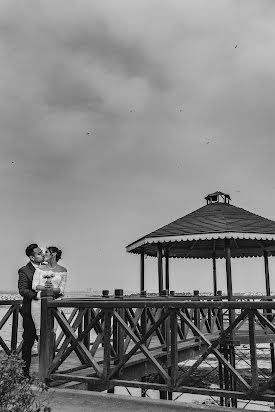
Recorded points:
(58, 279)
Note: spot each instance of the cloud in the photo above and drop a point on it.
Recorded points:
(121, 108)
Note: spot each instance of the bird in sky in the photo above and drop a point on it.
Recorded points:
(236, 46)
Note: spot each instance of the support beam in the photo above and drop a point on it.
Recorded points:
(214, 274)
(229, 280)
(160, 268)
(267, 277)
(167, 274)
(268, 293)
(142, 271)
(228, 268)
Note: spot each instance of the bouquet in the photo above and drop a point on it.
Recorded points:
(48, 276)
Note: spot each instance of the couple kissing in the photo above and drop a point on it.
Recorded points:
(42, 272)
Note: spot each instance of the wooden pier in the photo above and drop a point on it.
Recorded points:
(143, 343)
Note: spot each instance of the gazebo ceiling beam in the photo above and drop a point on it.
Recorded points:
(260, 243)
(191, 248)
(238, 247)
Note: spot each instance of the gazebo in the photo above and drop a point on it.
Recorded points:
(216, 230)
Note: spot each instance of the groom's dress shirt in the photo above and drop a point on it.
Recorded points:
(38, 293)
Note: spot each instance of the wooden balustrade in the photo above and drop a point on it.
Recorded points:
(11, 309)
(120, 341)
(129, 338)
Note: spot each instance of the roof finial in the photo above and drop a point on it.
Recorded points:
(217, 197)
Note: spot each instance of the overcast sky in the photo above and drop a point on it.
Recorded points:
(119, 116)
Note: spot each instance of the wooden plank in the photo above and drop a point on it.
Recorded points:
(70, 319)
(155, 386)
(212, 349)
(76, 341)
(133, 321)
(14, 332)
(153, 322)
(4, 346)
(166, 302)
(62, 354)
(107, 344)
(6, 316)
(140, 344)
(174, 346)
(253, 352)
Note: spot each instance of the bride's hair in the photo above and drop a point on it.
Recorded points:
(54, 249)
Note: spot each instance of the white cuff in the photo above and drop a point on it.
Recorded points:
(38, 296)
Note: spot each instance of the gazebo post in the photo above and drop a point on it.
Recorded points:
(228, 268)
(268, 293)
(160, 268)
(167, 274)
(230, 383)
(142, 271)
(267, 277)
(214, 274)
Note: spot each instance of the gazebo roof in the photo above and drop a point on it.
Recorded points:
(202, 232)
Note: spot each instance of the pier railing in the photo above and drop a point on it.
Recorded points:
(9, 320)
(143, 343)
(166, 343)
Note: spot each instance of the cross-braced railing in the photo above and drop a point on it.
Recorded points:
(124, 342)
(9, 320)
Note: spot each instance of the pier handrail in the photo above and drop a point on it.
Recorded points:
(13, 310)
(158, 332)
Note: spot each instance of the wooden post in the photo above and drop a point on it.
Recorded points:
(105, 293)
(228, 268)
(107, 343)
(142, 271)
(174, 347)
(143, 390)
(197, 311)
(144, 319)
(253, 352)
(87, 320)
(268, 293)
(214, 274)
(267, 277)
(46, 335)
(120, 330)
(230, 347)
(14, 332)
(162, 393)
(160, 268)
(167, 274)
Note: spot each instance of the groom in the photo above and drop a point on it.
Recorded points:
(25, 273)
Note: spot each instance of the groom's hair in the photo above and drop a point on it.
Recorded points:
(30, 249)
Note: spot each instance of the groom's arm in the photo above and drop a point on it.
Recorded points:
(23, 286)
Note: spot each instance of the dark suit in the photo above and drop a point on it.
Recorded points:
(29, 334)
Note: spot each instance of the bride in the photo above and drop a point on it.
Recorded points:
(51, 275)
